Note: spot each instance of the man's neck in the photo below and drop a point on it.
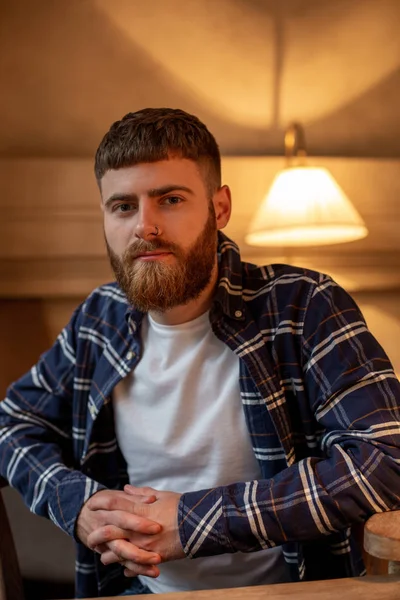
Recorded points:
(193, 309)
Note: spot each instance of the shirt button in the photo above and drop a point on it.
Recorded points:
(130, 355)
(238, 313)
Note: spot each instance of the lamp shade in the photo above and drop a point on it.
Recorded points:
(305, 207)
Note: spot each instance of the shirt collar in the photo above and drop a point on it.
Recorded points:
(229, 291)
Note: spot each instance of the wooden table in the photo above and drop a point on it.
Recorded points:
(357, 588)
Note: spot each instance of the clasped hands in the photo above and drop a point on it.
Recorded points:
(137, 528)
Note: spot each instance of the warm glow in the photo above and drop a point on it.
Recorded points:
(305, 207)
(236, 40)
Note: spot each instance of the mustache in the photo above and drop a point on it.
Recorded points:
(141, 246)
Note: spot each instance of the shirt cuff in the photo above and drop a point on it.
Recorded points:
(67, 499)
(202, 524)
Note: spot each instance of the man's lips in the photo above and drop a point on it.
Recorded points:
(154, 255)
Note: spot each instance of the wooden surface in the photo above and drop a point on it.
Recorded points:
(362, 588)
(382, 536)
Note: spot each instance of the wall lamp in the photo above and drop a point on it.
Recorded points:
(304, 206)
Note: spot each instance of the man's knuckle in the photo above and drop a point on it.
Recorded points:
(118, 547)
(113, 502)
(107, 532)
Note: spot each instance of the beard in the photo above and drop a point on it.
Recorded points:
(156, 286)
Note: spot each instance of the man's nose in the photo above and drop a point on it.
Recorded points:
(146, 225)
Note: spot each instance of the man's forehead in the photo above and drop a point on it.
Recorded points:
(143, 177)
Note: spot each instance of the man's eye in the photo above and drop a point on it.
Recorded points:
(122, 208)
(172, 200)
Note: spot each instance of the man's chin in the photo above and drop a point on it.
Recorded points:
(149, 306)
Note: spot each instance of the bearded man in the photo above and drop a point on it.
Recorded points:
(201, 407)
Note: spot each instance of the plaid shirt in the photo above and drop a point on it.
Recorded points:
(320, 400)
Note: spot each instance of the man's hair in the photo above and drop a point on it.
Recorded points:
(154, 134)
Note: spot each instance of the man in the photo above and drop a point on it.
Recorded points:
(251, 410)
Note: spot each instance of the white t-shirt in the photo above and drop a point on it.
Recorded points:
(181, 427)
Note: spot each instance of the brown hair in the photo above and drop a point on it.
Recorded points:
(154, 134)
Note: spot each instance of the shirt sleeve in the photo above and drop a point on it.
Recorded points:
(354, 396)
(36, 452)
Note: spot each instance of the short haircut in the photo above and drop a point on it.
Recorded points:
(154, 134)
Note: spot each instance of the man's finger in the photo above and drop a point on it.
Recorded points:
(121, 501)
(126, 551)
(146, 499)
(103, 535)
(121, 526)
(130, 521)
(109, 558)
(132, 490)
(135, 570)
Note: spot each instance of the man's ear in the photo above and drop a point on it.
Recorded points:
(222, 206)
(101, 196)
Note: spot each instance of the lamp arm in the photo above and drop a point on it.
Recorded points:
(295, 143)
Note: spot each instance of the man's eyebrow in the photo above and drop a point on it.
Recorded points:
(152, 193)
(166, 189)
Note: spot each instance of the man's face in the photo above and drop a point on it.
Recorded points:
(170, 269)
